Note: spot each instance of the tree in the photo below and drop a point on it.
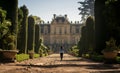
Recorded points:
(82, 43)
(100, 26)
(20, 18)
(22, 42)
(112, 17)
(86, 8)
(90, 33)
(37, 37)
(31, 33)
(106, 22)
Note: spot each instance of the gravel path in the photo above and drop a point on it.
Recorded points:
(52, 64)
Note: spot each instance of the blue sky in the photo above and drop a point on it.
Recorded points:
(46, 8)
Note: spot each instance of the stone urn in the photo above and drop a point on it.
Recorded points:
(9, 55)
(110, 54)
(31, 54)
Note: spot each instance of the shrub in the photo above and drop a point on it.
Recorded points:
(36, 55)
(74, 51)
(22, 57)
(11, 46)
(94, 57)
(98, 58)
(111, 45)
(118, 59)
(41, 52)
(86, 55)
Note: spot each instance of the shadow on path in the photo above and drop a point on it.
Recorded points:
(87, 66)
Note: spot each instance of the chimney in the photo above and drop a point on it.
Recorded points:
(65, 15)
(54, 15)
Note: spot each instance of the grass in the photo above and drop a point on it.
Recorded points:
(22, 57)
(118, 59)
(36, 55)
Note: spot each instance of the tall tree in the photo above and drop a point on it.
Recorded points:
(82, 43)
(86, 8)
(20, 18)
(37, 38)
(90, 33)
(112, 16)
(23, 30)
(99, 25)
(106, 22)
(37, 33)
(31, 33)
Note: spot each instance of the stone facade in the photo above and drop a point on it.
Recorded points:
(60, 32)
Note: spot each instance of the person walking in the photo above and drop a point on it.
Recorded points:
(61, 53)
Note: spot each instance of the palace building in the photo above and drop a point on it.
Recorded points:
(60, 32)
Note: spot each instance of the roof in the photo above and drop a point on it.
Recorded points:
(60, 19)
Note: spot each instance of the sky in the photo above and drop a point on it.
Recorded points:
(46, 8)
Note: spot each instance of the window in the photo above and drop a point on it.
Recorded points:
(60, 31)
(77, 30)
(55, 31)
(65, 31)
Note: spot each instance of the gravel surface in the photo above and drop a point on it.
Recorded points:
(52, 64)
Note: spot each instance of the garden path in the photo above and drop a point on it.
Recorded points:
(52, 64)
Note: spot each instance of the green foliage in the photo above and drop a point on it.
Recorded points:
(36, 55)
(4, 28)
(111, 45)
(94, 57)
(98, 58)
(82, 43)
(11, 7)
(7, 39)
(4, 24)
(20, 18)
(22, 57)
(31, 33)
(106, 22)
(37, 37)
(31, 51)
(23, 29)
(100, 26)
(2, 15)
(74, 51)
(118, 59)
(43, 51)
(90, 33)
(86, 56)
(86, 8)
(86, 43)
(11, 46)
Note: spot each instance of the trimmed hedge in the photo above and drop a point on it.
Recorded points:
(22, 57)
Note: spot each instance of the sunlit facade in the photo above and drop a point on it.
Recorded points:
(60, 32)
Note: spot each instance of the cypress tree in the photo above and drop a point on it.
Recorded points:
(90, 33)
(20, 18)
(82, 42)
(23, 30)
(37, 37)
(100, 26)
(31, 33)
